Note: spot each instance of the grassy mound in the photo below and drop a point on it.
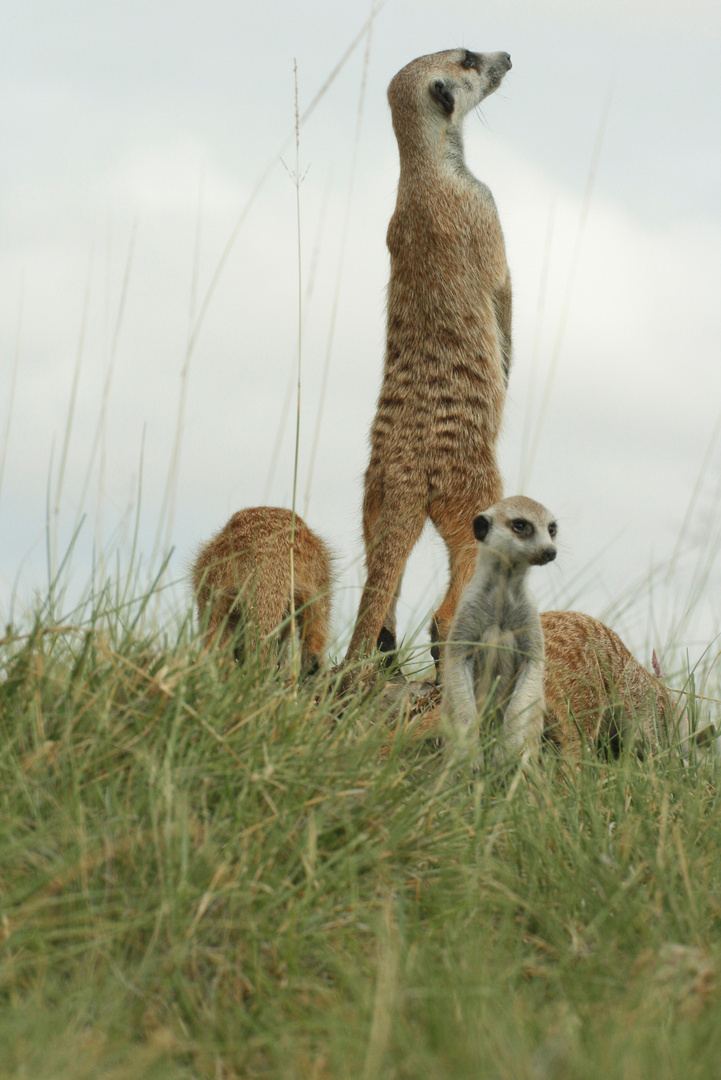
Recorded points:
(211, 875)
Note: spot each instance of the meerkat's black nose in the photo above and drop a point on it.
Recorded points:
(548, 555)
(507, 59)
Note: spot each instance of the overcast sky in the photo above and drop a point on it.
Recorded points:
(133, 136)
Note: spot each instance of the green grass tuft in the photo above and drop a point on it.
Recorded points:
(206, 872)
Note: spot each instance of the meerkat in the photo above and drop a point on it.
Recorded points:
(598, 692)
(448, 350)
(494, 659)
(595, 692)
(242, 576)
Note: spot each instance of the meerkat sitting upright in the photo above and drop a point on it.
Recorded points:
(242, 576)
(596, 693)
(448, 351)
(494, 662)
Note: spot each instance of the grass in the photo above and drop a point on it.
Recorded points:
(205, 873)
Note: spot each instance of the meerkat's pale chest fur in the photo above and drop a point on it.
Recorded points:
(242, 583)
(448, 348)
(494, 659)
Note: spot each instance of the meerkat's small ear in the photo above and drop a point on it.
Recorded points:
(443, 94)
(481, 527)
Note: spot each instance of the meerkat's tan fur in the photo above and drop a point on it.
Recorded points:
(243, 576)
(448, 349)
(597, 691)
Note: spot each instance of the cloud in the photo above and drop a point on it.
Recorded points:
(639, 14)
(631, 408)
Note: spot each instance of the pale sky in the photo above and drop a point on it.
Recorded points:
(133, 135)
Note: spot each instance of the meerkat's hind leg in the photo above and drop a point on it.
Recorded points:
(435, 636)
(389, 543)
(456, 531)
(387, 642)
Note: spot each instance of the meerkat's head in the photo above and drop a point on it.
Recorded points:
(519, 530)
(441, 88)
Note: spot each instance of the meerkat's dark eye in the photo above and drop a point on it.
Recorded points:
(552, 529)
(470, 60)
(521, 527)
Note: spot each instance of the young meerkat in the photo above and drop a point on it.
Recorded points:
(598, 692)
(243, 577)
(494, 659)
(448, 351)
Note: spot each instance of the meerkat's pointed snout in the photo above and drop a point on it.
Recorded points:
(546, 556)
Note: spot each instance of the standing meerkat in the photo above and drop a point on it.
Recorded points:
(448, 350)
(242, 576)
(494, 659)
(597, 691)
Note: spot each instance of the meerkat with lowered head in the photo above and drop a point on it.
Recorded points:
(494, 659)
(598, 692)
(448, 349)
(242, 577)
